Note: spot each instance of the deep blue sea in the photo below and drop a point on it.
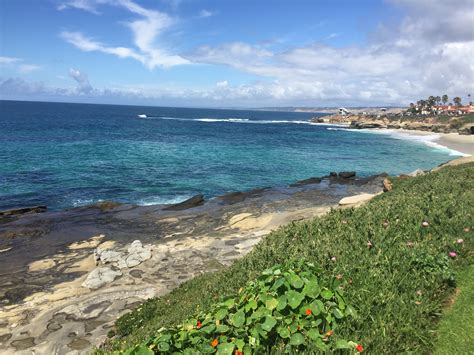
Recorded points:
(66, 155)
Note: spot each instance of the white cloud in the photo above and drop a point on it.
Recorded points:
(222, 84)
(9, 60)
(205, 13)
(27, 68)
(145, 31)
(82, 80)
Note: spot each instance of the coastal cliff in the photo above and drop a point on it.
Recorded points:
(463, 124)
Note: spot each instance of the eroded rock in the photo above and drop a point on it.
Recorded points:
(101, 276)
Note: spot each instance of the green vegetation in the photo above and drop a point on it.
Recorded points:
(287, 308)
(456, 329)
(398, 254)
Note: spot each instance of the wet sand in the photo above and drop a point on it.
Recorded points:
(45, 257)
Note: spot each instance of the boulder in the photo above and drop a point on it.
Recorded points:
(333, 174)
(137, 254)
(100, 276)
(194, 201)
(416, 172)
(347, 174)
(387, 185)
(107, 256)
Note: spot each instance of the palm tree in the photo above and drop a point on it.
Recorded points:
(469, 99)
(457, 101)
(445, 99)
(438, 100)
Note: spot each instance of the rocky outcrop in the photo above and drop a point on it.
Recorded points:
(467, 129)
(136, 254)
(239, 196)
(17, 211)
(347, 174)
(194, 201)
(367, 124)
(100, 276)
(312, 180)
(356, 199)
(387, 185)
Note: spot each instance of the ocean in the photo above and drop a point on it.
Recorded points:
(66, 155)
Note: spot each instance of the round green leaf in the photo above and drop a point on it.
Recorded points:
(312, 289)
(294, 298)
(326, 294)
(163, 347)
(281, 303)
(295, 280)
(238, 319)
(269, 323)
(297, 339)
(271, 303)
(221, 313)
(284, 332)
(225, 348)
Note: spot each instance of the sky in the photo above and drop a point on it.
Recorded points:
(245, 53)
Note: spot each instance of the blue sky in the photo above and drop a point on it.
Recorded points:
(235, 53)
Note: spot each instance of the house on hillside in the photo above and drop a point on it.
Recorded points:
(454, 110)
(343, 111)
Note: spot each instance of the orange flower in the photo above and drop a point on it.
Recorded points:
(329, 333)
(298, 328)
(238, 352)
(309, 312)
(199, 324)
(214, 343)
(359, 348)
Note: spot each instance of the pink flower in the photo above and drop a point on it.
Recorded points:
(452, 254)
(425, 224)
(410, 244)
(459, 241)
(369, 244)
(333, 258)
(467, 229)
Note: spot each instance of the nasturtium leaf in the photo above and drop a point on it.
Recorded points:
(221, 313)
(222, 328)
(313, 334)
(251, 304)
(297, 339)
(278, 283)
(276, 272)
(163, 347)
(316, 307)
(311, 289)
(294, 298)
(281, 303)
(326, 294)
(238, 319)
(240, 343)
(225, 348)
(208, 329)
(284, 332)
(229, 303)
(295, 280)
(271, 303)
(269, 323)
(337, 313)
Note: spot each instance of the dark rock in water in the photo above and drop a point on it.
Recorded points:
(16, 211)
(194, 201)
(312, 180)
(347, 174)
(235, 197)
(333, 174)
(369, 179)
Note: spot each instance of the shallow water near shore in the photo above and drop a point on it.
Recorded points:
(69, 155)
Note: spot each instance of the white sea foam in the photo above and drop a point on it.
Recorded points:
(246, 120)
(157, 200)
(426, 139)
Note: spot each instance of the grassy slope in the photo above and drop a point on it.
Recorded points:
(456, 329)
(398, 289)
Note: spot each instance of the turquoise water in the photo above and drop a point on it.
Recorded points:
(66, 155)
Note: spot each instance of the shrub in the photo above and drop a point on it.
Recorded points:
(288, 308)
